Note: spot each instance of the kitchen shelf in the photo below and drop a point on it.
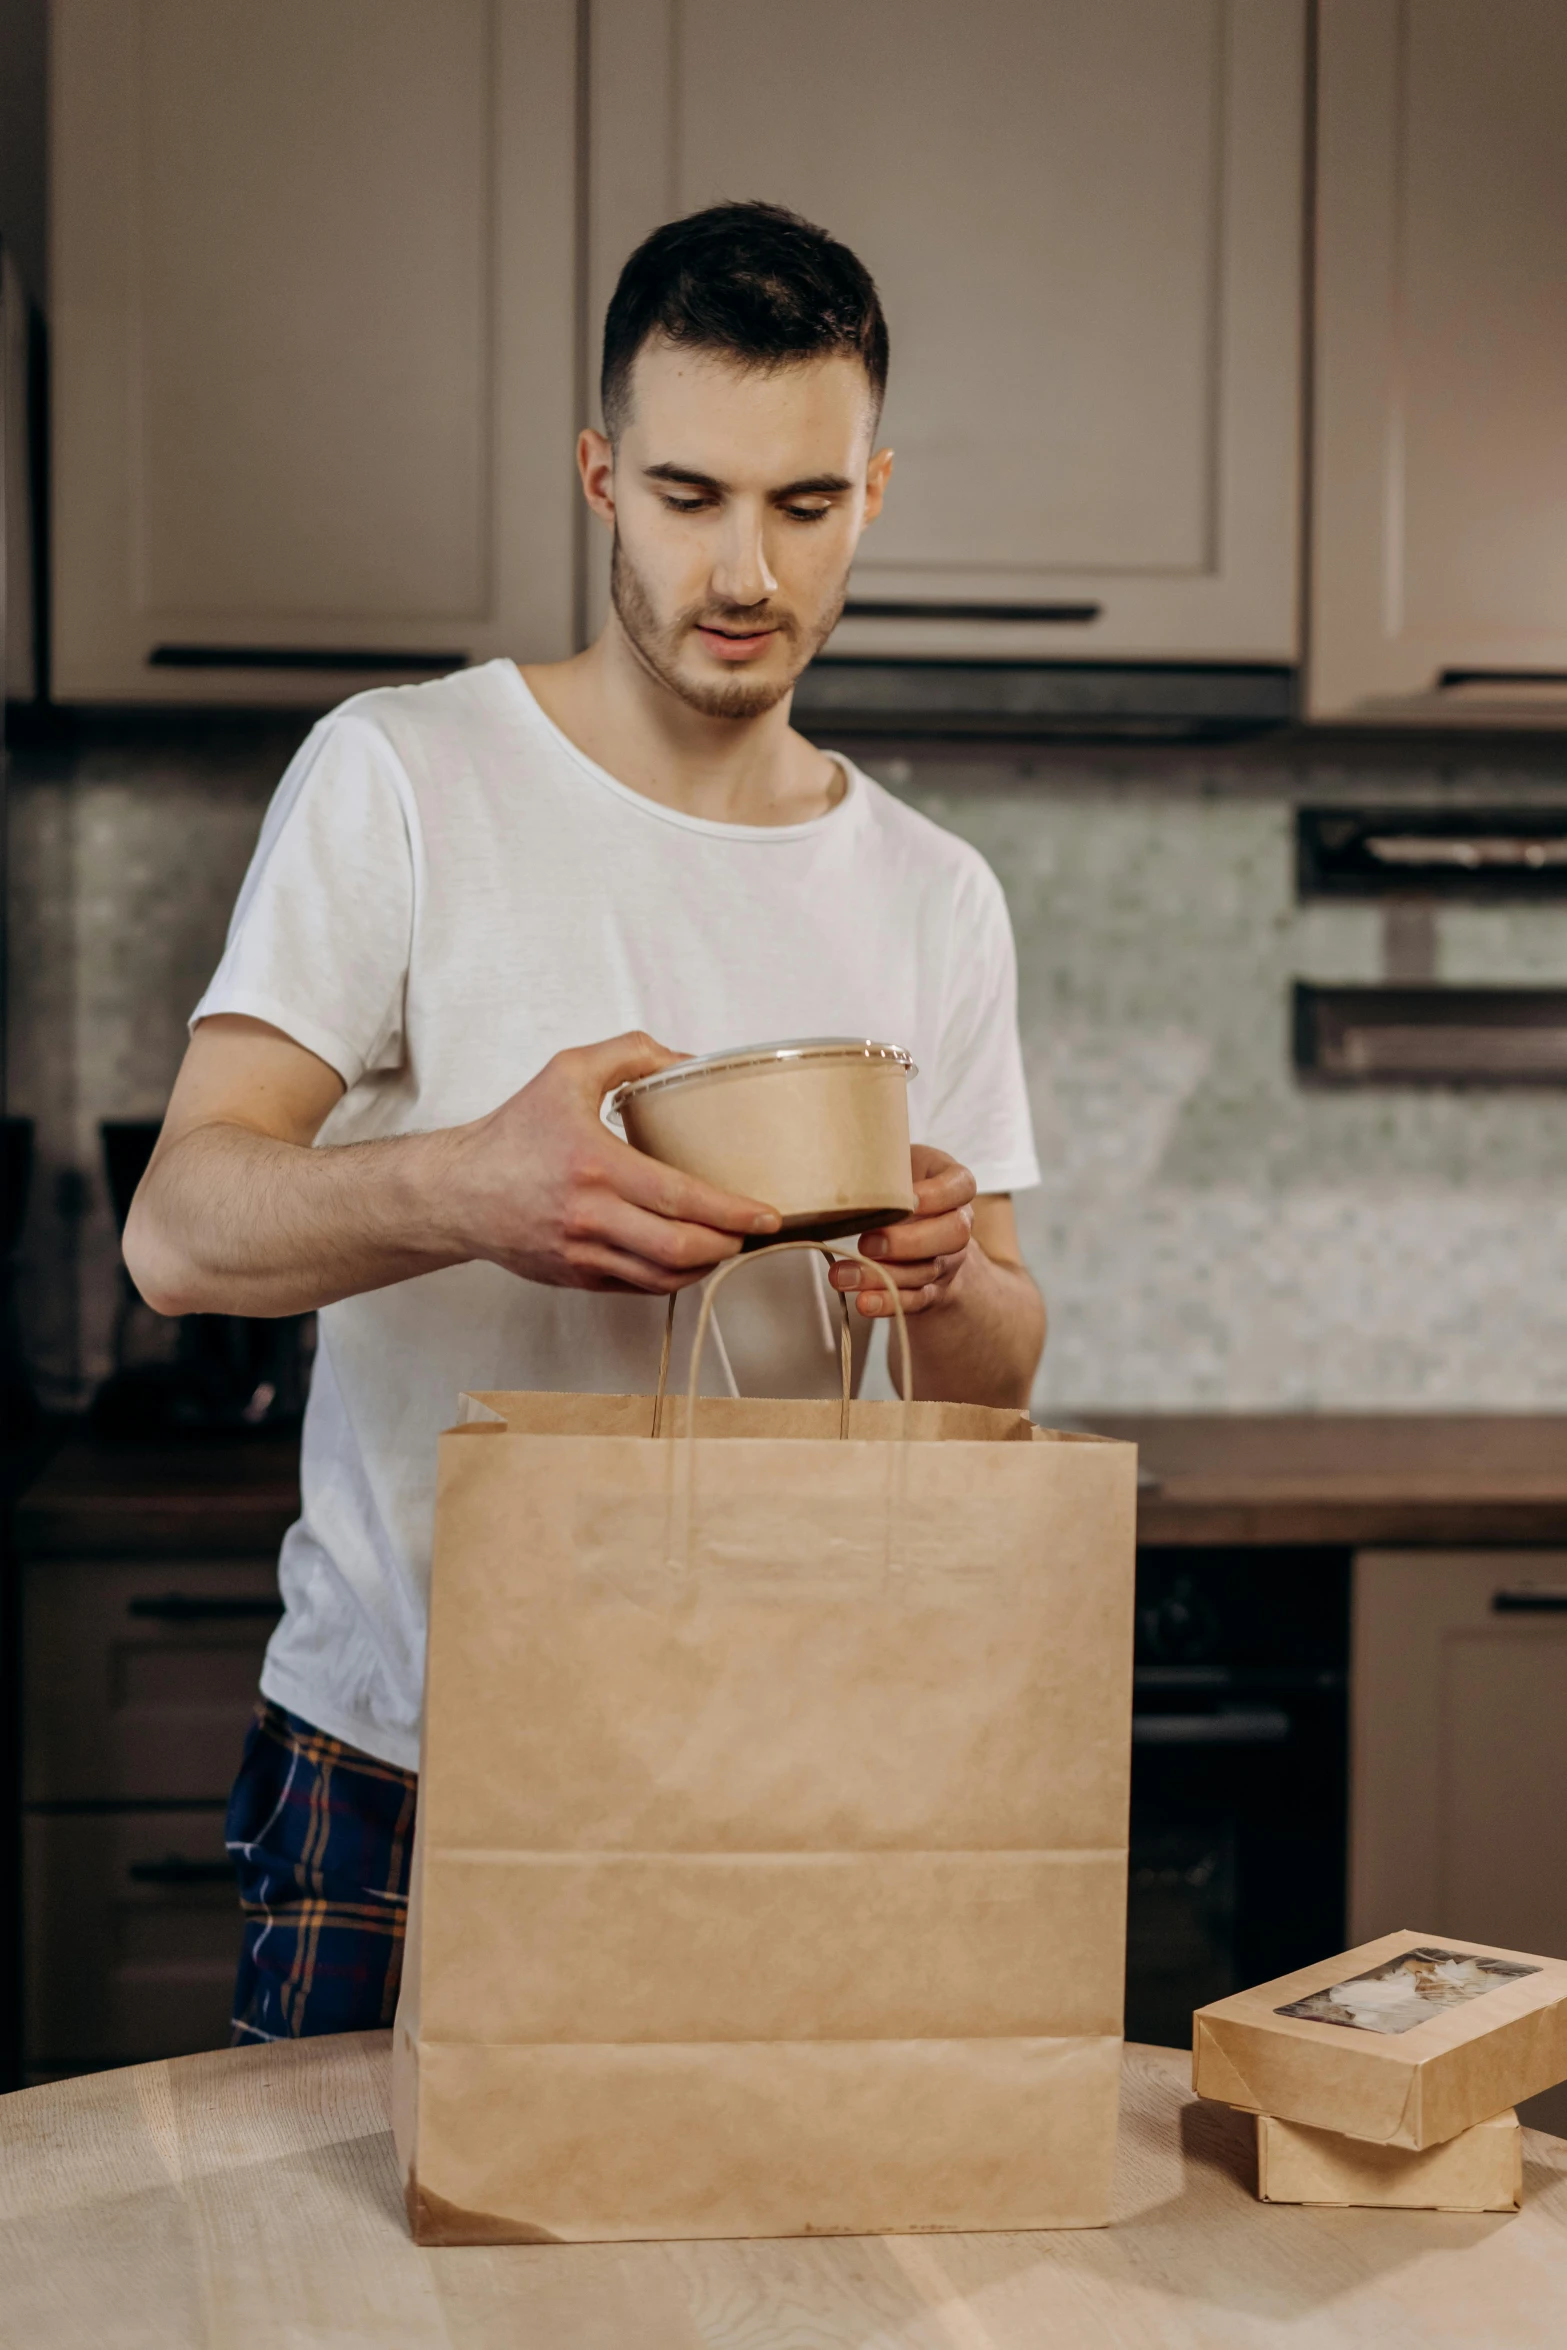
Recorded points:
(1431, 1035)
(1485, 855)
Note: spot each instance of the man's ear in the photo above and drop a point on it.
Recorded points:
(877, 475)
(596, 467)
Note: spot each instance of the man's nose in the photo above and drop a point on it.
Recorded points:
(741, 574)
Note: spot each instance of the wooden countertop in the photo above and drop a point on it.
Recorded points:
(1351, 1478)
(1224, 1478)
(251, 2198)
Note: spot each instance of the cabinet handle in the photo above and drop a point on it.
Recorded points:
(176, 1870)
(1531, 1599)
(179, 1607)
(897, 608)
(295, 657)
(1263, 1725)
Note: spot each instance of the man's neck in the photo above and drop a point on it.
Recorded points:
(729, 770)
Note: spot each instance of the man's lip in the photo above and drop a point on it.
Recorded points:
(735, 647)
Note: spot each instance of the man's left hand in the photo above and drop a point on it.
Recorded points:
(927, 1254)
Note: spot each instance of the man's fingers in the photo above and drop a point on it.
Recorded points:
(612, 1268)
(936, 1172)
(684, 1249)
(870, 1284)
(665, 1191)
(918, 1286)
(619, 1059)
(921, 1236)
(936, 1195)
(914, 1301)
(913, 1296)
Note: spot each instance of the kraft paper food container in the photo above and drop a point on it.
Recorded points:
(818, 1128)
(1479, 2170)
(1404, 2042)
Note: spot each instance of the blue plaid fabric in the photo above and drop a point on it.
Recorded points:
(321, 1837)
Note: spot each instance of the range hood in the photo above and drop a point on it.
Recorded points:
(1073, 700)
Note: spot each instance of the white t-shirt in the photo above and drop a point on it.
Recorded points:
(445, 893)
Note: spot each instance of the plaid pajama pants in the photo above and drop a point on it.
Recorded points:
(321, 1838)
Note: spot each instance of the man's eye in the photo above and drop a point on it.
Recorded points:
(808, 513)
(687, 505)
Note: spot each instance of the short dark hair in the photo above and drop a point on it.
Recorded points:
(753, 281)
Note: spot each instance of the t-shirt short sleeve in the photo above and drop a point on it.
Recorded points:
(978, 1105)
(319, 942)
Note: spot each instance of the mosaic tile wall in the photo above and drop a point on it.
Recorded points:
(124, 859)
(1209, 1233)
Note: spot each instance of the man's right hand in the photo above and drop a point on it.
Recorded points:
(548, 1191)
(238, 1214)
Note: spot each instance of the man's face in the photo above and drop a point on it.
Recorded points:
(737, 498)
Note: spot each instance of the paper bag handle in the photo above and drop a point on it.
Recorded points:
(897, 1454)
(780, 1248)
(845, 1351)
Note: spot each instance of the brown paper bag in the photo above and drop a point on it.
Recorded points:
(771, 1856)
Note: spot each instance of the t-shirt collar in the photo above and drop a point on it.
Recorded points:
(758, 835)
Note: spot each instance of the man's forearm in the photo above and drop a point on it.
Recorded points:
(983, 1343)
(239, 1213)
(235, 1222)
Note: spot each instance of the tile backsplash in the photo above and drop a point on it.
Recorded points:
(1209, 1233)
(125, 855)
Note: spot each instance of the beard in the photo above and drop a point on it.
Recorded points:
(657, 643)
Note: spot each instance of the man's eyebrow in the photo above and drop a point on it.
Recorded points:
(818, 485)
(682, 473)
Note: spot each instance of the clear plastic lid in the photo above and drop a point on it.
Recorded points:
(759, 1056)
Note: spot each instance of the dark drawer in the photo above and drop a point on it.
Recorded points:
(131, 1927)
(140, 1678)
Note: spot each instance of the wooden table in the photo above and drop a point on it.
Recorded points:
(250, 2198)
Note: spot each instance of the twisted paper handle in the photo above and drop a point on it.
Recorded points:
(780, 1248)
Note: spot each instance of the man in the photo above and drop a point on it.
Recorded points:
(391, 1104)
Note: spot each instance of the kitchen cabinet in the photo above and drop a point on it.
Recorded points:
(18, 630)
(148, 1583)
(132, 1937)
(1440, 412)
(313, 351)
(141, 1676)
(1085, 220)
(1458, 1769)
(139, 1680)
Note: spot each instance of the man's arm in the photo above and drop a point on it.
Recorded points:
(238, 1214)
(976, 1318)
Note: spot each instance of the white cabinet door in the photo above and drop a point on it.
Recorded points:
(1440, 463)
(1085, 220)
(314, 379)
(1458, 1758)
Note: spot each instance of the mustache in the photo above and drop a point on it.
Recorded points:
(743, 619)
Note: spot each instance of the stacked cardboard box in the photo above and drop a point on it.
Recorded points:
(1387, 2075)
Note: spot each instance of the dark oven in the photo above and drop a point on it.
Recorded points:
(1239, 1776)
